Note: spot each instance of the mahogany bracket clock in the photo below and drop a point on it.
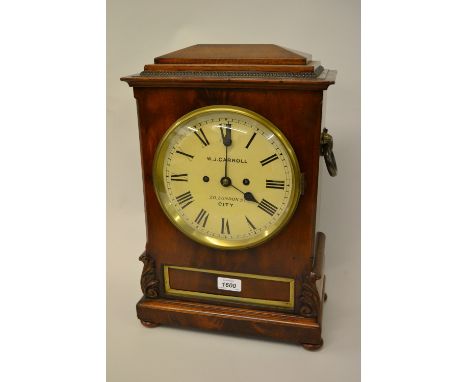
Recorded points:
(231, 138)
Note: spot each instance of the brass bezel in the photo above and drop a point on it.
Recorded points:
(173, 215)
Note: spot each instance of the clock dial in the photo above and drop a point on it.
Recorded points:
(226, 177)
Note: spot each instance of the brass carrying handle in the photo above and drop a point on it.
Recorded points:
(326, 150)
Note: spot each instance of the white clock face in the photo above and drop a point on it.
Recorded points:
(226, 177)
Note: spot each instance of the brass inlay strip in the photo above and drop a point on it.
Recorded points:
(281, 304)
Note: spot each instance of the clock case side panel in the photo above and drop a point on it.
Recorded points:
(297, 113)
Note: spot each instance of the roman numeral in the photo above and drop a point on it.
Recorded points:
(268, 207)
(202, 215)
(185, 199)
(225, 226)
(226, 134)
(202, 138)
(278, 184)
(250, 223)
(269, 159)
(225, 129)
(182, 153)
(250, 140)
(179, 177)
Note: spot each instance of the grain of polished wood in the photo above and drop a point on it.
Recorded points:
(199, 76)
(233, 54)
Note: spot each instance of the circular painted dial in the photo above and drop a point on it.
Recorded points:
(226, 177)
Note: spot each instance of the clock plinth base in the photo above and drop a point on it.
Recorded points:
(274, 325)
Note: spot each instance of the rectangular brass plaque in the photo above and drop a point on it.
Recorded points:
(285, 303)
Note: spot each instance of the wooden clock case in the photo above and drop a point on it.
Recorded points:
(283, 282)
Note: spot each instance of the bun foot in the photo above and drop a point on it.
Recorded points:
(312, 347)
(148, 324)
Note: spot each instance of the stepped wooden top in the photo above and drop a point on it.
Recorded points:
(244, 54)
(235, 63)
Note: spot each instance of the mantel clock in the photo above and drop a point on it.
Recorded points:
(231, 137)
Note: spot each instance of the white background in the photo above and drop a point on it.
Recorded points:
(52, 206)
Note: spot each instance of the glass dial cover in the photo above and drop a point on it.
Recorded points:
(226, 177)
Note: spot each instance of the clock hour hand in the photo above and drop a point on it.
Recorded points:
(226, 134)
(247, 195)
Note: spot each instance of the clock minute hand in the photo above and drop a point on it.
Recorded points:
(227, 141)
(225, 163)
(226, 135)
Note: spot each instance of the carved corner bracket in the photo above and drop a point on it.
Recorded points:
(149, 281)
(309, 299)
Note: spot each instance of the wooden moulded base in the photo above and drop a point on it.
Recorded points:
(278, 326)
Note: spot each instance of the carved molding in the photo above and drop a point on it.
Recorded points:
(309, 299)
(235, 74)
(149, 281)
